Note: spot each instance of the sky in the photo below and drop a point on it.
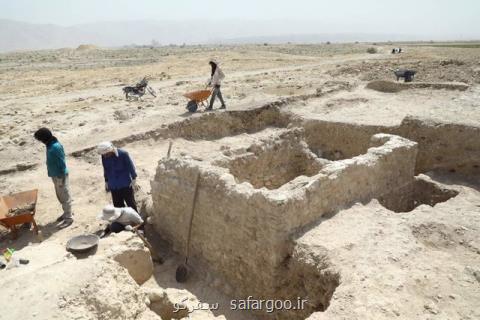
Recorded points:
(435, 17)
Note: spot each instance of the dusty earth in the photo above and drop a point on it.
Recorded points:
(423, 264)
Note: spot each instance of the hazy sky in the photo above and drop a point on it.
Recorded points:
(459, 17)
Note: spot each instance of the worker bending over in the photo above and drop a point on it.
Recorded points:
(57, 170)
(119, 172)
(120, 219)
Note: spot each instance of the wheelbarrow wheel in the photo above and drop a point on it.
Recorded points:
(192, 106)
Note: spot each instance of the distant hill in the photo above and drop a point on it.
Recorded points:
(20, 36)
(16, 35)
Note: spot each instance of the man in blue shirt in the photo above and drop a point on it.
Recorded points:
(119, 172)
(57, 170)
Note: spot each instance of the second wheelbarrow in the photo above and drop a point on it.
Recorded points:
(196, 98)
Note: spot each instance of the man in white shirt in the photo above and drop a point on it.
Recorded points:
(215, 81)
(120, 219)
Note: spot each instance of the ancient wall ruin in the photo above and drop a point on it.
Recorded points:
(251, 204)
(253, 201)
(441, 146)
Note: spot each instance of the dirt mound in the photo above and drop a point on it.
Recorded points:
(56, 285)
(385, 86)
(84, 47)
(445, 70)
(392, 87)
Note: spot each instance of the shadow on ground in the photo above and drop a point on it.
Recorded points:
(27, 237)
(197, 284)
(452, 179)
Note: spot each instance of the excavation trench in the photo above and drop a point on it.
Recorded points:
(253, 200)
(423, 191)
(443, 147)
(274, 163)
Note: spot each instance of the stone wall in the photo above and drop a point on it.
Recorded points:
(385, 171)
(338, 140)
(441, 146)
(244, 233)
(273, 163)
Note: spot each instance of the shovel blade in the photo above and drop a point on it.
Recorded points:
(181, 274)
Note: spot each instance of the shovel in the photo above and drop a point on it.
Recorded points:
(182, 270)
(155, 256)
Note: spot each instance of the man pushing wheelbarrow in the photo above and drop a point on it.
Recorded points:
(201, 96)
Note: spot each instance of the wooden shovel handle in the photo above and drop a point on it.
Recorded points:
(195, 196)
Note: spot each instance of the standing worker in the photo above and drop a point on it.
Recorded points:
(57, 170)
(216, 81)
(119, 172)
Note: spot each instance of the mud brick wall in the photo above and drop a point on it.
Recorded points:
(234, 227)
(245, 234)
(444, 146)
(385, 172)
(441, 146)
(275, 163)
(338, 140)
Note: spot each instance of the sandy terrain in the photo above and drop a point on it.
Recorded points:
(418, 265)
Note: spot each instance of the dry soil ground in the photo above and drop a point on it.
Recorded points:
(434, 253)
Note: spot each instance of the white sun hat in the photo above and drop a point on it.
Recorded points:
(110, 213)
(106, 147)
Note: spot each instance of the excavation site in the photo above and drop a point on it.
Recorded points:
(333, 193)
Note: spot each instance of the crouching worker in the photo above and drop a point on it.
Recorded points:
(120, 219)
(119, 172)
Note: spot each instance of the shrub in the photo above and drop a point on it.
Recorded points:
(372, 50)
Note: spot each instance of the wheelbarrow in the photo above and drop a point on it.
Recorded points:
(197, 97)
(17, 209)
(406, 74)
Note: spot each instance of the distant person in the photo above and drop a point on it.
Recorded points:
(119, 173)
(120, 219)
(215, 81)
(57, 170)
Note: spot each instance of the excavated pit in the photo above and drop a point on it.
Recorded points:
(445, 147)
(275, 163)
(266, 176)
(263, 195)
(270, 170)
(254, 199)
(424, 191)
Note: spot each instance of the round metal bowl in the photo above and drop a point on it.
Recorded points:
(84, 243)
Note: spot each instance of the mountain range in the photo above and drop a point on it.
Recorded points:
(15, 35)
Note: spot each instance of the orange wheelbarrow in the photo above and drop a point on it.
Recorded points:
(196, 98)
(17, 209)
